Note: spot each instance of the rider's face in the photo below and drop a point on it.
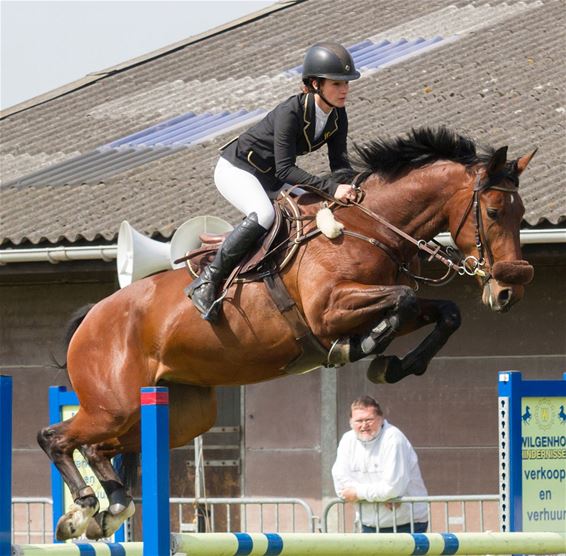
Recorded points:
(335, 92)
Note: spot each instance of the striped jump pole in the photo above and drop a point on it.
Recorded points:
(79, 548)
(336, 544)
(322, 544)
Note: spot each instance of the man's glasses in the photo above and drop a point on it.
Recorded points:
(365, 421)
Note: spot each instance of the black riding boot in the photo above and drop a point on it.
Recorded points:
(204, 290)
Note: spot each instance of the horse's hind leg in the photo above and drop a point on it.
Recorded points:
(57, 442)
(192, 412)
(120, 503)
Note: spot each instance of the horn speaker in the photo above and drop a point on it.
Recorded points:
(186, 238)
(138, 255)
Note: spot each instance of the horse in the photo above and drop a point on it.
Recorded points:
(351, 293)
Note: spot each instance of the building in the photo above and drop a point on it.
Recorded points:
(139, 141)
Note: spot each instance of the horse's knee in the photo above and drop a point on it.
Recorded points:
(407, 306)
(451, 317)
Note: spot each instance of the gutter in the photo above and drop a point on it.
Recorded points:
(109, 253)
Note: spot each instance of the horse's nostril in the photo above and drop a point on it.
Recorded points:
(504, 296)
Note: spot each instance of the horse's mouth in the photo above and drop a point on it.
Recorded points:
(500, 298)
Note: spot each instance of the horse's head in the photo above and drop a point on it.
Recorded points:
(488, 232)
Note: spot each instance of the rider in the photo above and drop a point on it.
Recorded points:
(256, 165)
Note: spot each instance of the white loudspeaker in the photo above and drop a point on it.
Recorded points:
(186, 238)
(138, 255)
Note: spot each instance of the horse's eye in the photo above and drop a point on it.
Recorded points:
(492, 213)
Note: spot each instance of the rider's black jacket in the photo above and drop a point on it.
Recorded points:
(269, 149)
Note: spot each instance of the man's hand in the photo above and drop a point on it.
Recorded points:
(349, 495)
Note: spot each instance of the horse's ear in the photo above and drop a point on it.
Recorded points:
(497, 162)
(523, 162)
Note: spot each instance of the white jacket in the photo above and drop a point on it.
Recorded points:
(383, 468)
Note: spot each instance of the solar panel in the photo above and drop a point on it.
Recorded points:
(369, 55)
(189, 129)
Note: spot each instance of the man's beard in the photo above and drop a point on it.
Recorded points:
(366, 436)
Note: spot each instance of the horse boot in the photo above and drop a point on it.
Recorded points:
(204, 290)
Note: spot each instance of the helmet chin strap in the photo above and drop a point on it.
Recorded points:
(319, 93)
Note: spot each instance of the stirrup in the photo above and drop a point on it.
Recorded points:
(211, 315)
(195, 285)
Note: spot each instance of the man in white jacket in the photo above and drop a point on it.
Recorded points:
(376, 463)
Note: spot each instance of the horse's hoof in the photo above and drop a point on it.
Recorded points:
(385, 369)
(105, 524)
(420, 371)
(74, 523)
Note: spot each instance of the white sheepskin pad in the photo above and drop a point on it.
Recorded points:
(327, 224)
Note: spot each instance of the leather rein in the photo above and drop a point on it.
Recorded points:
(455, 262)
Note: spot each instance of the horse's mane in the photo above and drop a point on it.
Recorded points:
(392, 157)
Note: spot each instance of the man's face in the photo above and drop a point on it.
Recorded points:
(366, 423)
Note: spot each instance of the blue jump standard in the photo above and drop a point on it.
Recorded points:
(5, 465)
(155, 471)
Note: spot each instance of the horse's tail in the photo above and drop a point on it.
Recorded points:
(128, 471)
(74, 322)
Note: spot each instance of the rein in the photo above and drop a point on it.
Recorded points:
(469, 265)
(435, 252)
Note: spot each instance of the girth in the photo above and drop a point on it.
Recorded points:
(313, 353)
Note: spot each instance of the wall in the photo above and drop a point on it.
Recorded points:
(36, 301)
(449, 414)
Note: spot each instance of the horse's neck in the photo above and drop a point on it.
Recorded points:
(418, 202)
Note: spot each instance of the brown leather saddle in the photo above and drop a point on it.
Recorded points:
(265, 263)
(259, 260)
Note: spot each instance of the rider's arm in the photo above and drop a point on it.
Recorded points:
(287, 126)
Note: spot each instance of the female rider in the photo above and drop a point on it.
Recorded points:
(261, 161)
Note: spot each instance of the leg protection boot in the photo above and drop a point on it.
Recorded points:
(204, 290)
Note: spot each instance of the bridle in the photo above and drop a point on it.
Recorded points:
(482, 244)
(455, 262)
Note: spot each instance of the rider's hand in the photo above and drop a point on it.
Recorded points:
(345, 192)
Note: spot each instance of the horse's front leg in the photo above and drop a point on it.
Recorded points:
(446, 315)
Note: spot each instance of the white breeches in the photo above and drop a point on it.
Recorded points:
(243, 191)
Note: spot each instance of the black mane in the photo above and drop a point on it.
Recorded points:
(392, 157)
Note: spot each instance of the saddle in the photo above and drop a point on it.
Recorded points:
(257, 260)
(265, 263)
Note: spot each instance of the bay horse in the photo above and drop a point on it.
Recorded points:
(350, 292)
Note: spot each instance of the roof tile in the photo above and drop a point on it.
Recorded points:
(501, 82)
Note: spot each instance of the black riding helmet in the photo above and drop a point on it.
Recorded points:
(329, 60)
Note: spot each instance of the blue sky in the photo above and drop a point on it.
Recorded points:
(46, 44)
